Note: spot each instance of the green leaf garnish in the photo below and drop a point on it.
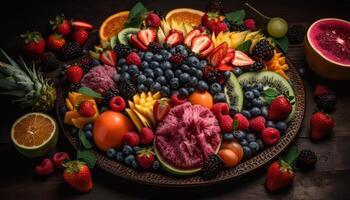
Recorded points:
(245, 46)
(291, 155)
(235, 125)
(236, 16)
(89, 92)
(282, 43)
(84, 141)
(88, 157)
(271, 92)
(136, 15)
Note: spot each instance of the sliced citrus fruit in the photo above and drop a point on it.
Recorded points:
(34, 134)
(185, 15)
(113, 25)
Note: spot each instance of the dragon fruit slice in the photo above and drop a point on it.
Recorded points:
(100, 79)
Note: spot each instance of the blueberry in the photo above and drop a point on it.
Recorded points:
(246, 113)
(202, 86)
(126, 76)
(88, 127)
(141, 88)
(184, 78)
(124, 68)
(219, 97)
(136, 149)
(128, 159)
(141, 78)
(255, 111)
(165, 65)
(271, 124)
(116, 78)
(254, 147)
(119, 68)
(199, 74)
(155, 87)
(127, 149)
(155, 165)
(237, 71)
(260, 143)
(119, 156)
(88, 135)
(148, 56)
(250, 137)
(193, 61)
(193, 81)
(163, 51)
(227, 75)
(167, 55)
(228, 136)
(191, 90)
(180, 47)
(158, 72)
(134, 164)
(281, 126)
(158, 57)
(121, 61)
(111, 152)
(149, 73)
(243, 142)
(178, 72)
(148, 81)
(246, 87)
(249, 95)
(95, 62)
(140, 54)
(193, 71)
(259, 86)
(133, 70)
(144, 65)
(246, 152)
(233, 110)
(169, 74)
(257, 102)
(165, 91)
(264, 112)
(154, 64)
(185, 68)
(173, 50)
(161, 80)
(174, 83)
(184, 52)
(64, 109)
(256, 93)
(239, 135)
(215, 88)
(183, 92)
(103, 108)
(202, 64)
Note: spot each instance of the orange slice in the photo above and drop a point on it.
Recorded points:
(186, 15)
(113, 25)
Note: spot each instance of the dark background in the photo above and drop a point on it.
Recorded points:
(328, 181)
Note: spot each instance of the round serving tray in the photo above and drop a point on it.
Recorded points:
(166, 179)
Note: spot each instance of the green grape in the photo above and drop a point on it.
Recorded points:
(277, 27)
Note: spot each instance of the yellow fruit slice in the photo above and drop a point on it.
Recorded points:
(68, 116)
(136, 99)
(143, 95)
(34, 134)
(69, 105)
(113, 25)
(143, 119)
(156, 96)
(80, 122)
(134, 118)
(185, 15)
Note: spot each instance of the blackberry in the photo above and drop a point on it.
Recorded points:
(154, 47)
(126, 89)
(74, 87)
(109, 95)
(212, 75)
(49, 62)
(326, 102)
(256, 66)
(177, 59)
(216, 6)
(211, 167)
(296, 33)
(86, 63)
(71, 50)
(263, 50)
(235, 27)
(159, 12)
(122, 50)
(306, 160)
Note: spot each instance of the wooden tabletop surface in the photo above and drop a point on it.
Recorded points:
(328, 181)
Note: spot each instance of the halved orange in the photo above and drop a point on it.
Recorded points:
(113, 25)
(186, 15)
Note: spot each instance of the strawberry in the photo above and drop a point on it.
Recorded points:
(59, 158)
(241, 59)
(206, 53)
(80, 36)
(218, 54)
(152, 20)
(200, 43)
(250, 24)
(220, 109)
(46, 167)
(108, 57)
(74, 73)
(131, 138)
(137, 43)
(174, 38)
(147, 36)
(228, 57)
(321, 125)
(279, 108)
(55, 42)
(77, 175)
(145, 157)
(176, 100)
(209, 19)
(270, 136)
(86, 109)
(146, 136)
(225, 67)
(257, 124)
(117, 103)
(190, 36)
(321, 90)
(226, 123)
(243, 122)
(219, 27)
(161, 108)
(279, 175)
(81, 25)
(61, 25)
(133, 58)
(34, 44)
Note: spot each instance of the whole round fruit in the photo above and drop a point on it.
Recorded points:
(229, 157)
(235, 147)
(110, 128)
(201, 98)
(277, 27)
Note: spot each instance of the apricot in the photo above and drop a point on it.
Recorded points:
(201, 98)
(229, 157)
(235, 147)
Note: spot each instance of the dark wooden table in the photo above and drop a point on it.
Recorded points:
(328, 181)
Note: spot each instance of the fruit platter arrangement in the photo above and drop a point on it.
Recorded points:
(181, 98)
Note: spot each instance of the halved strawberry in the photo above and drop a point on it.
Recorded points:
(206, 52)
(190, 36)
(147, 36)
(134, 40)
(230, 50)
(241, 59)
(225, 67)
(174, 38)
(78, 25)
(200, 43)
(228, 58)
(108, 57)
(218, 54)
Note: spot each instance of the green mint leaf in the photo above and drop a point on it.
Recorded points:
(89, 92)
(236, 16)
(136, 15)
(271, 92)
(84, 141)
(291, 155)
(282, 43)
(235, 125)
(88, 157)
(245, 46)
(268, 99)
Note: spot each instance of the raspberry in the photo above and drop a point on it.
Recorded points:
(250, 24)
(257, 124)
(220, 109)
(46, 167)
(270, 136)
(146, 136)
(322, 90)
(153, 20)
(226, 124)
(177, 59)
(59, 158)
(176, 100)
(243, 122)
(131, 138)
(306, 160)
(133, 58)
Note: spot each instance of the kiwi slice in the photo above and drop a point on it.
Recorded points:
(233, 92)
(123, 35)
(272, 80)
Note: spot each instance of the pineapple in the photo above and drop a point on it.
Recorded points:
(28, 85)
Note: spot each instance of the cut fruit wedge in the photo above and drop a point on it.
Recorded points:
(185, 15)
(34, 134)
(241, 59)
(113, 25)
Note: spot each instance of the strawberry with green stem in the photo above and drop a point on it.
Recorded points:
(34, 44)
(77, 174)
